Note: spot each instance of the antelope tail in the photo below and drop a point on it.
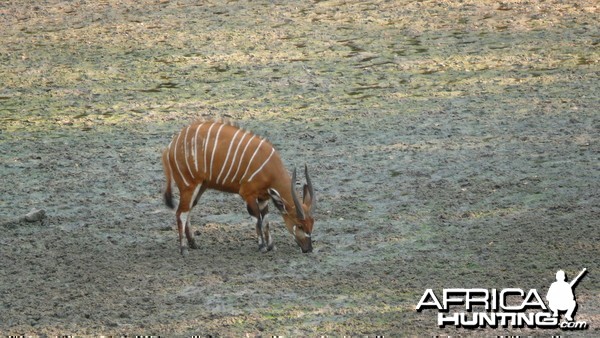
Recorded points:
(168, 194)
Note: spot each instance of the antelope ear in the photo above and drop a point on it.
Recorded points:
(277, 200)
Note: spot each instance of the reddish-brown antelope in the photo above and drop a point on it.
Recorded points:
(221, 156)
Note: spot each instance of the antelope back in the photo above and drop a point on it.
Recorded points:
(220, 155)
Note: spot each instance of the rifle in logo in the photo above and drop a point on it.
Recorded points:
(508, 307)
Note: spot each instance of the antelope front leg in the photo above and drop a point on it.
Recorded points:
(255, 211)
(262, 247)
(268, 237)
(267, 240)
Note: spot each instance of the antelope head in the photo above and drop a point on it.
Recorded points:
(298, 216)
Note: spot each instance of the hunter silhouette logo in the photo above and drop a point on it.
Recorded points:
(561, 297)
(509, 307)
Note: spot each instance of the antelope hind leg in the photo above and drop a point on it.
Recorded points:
(198, 191)
(182, 219)
(190, 236)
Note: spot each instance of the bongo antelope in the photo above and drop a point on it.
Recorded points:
(221, 156)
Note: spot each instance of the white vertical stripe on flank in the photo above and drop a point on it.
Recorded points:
(228, 153)
(175, 159)
(206, 144)
(234, 156)
(252, 159)
(212, 158)
(185, 152)
(242, 157)
(194, 146)
(263, 165)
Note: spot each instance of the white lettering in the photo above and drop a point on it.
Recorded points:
(433, 303)
(573, 325)
(470, 300)
(444, 319)
(448, 292)
(510, 307)
(535, 303)
(503, 296)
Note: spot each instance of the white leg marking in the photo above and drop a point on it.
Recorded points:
(263, 165)
(260, 241)
(175, 160)
(195, 145)
(186, 141)
(206, 145)
(255, 221)
(234, 156)
(263, 204)
(212, 158)
(251, 159)
(242, 158)
(268, 234)
(183, 218)
(194, 196)
(228, 153)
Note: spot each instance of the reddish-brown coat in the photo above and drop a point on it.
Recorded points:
(221, 156)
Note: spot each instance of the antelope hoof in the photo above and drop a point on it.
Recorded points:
(266, 248)
(184, 251)
(192, 244)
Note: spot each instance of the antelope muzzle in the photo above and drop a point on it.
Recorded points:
(305, 243)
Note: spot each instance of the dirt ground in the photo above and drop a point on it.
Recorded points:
(452, 144)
